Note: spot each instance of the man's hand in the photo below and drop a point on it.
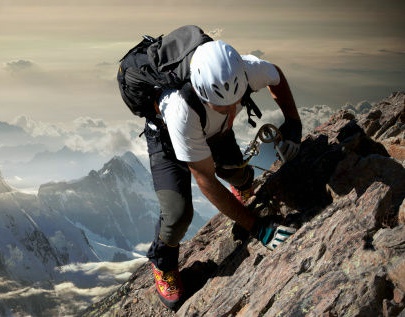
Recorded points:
(291, 132)
(289, 150)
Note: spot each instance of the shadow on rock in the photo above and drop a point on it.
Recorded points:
(303, 184)
(300, 184)
(196, 276)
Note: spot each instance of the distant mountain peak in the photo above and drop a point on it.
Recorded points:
(115, 204)
(126, 165)
(131, 159)
(4, 187)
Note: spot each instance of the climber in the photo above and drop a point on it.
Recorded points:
(179, 148)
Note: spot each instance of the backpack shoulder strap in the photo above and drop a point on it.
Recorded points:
(195, 103)
(187, 92)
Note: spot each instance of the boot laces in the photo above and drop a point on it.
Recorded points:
(171, 279)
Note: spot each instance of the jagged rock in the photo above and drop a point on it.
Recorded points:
(401, 214)
(344, 193)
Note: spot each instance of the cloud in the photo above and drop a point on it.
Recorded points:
(313, 117)
(76, 285)
(392, 52)
(361, 108)
(42, 146)
(64, 289)
(87, 122)
(215, 33)
(23, 293)
(37, 128)
(102, 268)
(19, 65)
(86, 134)
(98, 136)
(105, 64)
(142, 247)
(118, 141)
(99, 140)
(257, 53)
(351, 51)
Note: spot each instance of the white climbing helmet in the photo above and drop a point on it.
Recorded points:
(217, 73)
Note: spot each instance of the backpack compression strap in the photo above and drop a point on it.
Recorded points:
(250, 105)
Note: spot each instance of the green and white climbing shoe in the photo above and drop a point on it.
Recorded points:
(272, 236)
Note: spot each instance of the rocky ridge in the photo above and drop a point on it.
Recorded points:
(344, 193)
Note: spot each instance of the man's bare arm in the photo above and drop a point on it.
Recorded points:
(204, 174)
(283, 97)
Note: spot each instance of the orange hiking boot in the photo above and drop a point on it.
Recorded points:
(169, 286)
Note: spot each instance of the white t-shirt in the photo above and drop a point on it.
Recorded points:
(183, 123)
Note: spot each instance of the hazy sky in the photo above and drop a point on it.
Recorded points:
(59, 61)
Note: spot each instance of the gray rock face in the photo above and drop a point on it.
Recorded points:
(344, 193)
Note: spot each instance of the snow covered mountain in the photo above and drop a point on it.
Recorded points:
(36, 239)
(54, 240)
(115, 206)
(100, 217)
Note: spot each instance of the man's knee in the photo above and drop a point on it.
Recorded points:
(176, 216)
